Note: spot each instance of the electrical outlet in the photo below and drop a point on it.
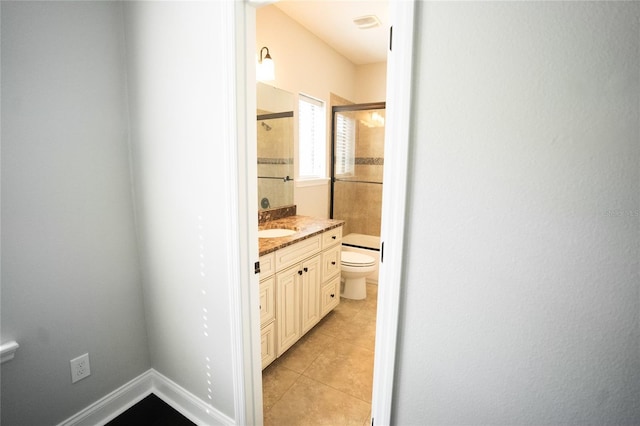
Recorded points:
(80, 368)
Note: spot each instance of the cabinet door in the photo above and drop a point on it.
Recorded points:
(287, 308)
(310, 293)
(330, 296)
(267, 301)
(268, 344)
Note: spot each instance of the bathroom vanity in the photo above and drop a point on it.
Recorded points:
(299, 280)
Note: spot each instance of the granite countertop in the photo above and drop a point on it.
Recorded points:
(306, 226)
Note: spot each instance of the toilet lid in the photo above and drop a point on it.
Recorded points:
(351, 258)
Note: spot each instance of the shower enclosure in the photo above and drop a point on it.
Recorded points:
(357, 166)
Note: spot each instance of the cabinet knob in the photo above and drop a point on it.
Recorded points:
(333, 295)
(333, 263)
(299, 272)
(306, 269)
(333, 237)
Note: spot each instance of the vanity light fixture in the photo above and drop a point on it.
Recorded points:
(265, 69)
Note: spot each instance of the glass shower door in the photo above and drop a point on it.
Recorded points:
(357, 167)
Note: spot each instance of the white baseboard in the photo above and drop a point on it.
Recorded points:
(123, 398)
(115, 403)
(187, 403)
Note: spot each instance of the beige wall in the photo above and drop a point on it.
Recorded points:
(371, 83)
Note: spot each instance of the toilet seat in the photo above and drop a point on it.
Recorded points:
(358, 260)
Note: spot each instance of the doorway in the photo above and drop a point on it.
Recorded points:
(249, 394)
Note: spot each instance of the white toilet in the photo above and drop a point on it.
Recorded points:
(355, 267)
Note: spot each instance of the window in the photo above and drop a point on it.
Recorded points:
(311, 141)
(345, 137)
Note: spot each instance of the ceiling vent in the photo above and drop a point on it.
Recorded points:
(366, 22)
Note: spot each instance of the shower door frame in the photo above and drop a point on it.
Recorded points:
(338, 108)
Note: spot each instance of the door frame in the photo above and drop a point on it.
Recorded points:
(394, 190)
(248, 368)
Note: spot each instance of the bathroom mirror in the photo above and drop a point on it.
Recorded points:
(275, 146)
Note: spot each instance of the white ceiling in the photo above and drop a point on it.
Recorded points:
(332, 21)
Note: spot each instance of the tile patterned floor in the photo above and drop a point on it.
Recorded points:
(326, 378)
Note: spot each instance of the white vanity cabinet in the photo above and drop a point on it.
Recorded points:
(302, 286)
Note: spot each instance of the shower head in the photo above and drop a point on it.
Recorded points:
(266, 126)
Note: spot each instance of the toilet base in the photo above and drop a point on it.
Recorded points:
(354, 288)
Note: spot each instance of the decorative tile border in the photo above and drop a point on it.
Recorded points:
(369, 161)
(265, 160)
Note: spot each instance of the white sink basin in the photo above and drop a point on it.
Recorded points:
(275, 233)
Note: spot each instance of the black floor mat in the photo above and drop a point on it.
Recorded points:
(151, 411)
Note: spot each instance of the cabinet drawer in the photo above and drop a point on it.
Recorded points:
(297, 252)
(330, 296)
(331, 237)
(267, 300)
(267, 265)
(331, 262)
(268, 344)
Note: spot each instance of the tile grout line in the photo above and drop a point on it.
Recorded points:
(277, 366)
